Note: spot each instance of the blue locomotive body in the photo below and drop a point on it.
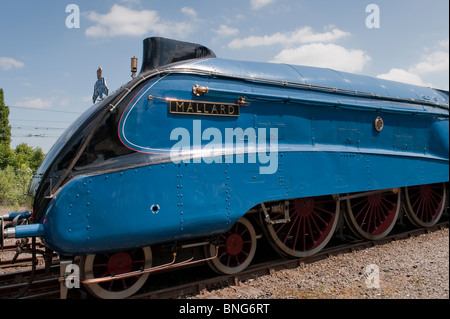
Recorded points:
(189, 147)
(190, 183)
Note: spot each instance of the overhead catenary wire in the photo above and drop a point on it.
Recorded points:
(24, 127)
(44, 110)
(36, 135)
(33, 135)
(45, 121)
(29, 131)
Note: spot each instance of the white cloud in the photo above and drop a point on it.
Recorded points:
(258, 4)
(326, 56)
(444, 43)
(9, 63)
(36, 103)
(299, 36)
(226, 31)
(86, 99)
(404, 76)
(122, 21)
(189, 12)
(305, 46)
(433, 62)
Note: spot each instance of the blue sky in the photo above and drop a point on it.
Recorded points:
(48, 70)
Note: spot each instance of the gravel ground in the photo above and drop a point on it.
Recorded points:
(415, 268)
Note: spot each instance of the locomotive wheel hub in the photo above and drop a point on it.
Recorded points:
(234, 244)
(305, 206)
(375, 200)
(425, 190)
(119, 263)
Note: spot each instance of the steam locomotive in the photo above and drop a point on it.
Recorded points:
(208, 153)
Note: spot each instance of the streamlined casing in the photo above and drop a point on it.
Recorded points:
(156, 162)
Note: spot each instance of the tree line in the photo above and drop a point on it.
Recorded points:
(16, 165)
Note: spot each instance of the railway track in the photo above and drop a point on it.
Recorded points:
(13, 256)
(191, 280)
(269, 267)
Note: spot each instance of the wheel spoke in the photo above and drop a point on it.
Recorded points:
(362, 210)
(436, 198)
(316, 217)
(366, 215)
(309, 221)
(296, 222)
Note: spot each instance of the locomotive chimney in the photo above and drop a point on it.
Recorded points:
(161, 51)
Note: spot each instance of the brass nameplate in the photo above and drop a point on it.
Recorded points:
(203, 108)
